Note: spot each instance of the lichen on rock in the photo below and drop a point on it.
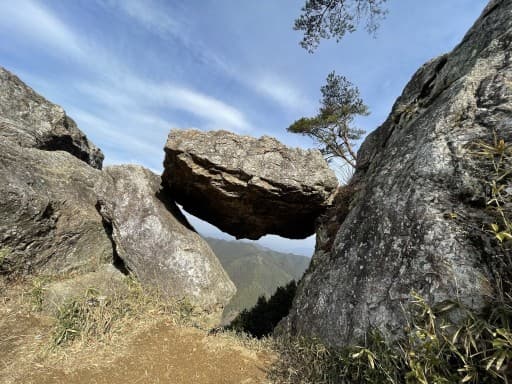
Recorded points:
(157, 244)
(416, 219)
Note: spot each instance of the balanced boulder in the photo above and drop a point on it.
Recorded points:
(248, 187)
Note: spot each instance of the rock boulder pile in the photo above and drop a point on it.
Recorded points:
(61, 214)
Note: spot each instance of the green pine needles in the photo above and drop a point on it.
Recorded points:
(333, 127)
(326, 19)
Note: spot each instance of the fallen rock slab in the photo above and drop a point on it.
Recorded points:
(245, 186)
(158, 245)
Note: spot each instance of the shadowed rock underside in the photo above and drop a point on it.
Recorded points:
(248, 187)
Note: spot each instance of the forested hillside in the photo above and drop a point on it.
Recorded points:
(255, 271)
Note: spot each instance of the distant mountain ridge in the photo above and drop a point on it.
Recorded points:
(255, 270)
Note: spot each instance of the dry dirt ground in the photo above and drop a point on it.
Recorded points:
(163, 352)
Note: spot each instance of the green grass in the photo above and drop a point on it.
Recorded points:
(36, 292)
(478, 349)
(5, 252)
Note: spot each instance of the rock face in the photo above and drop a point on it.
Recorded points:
(414, 218)
(48, 219)
(156, 242)
(247, 187)
(31, 121)
(60, 214)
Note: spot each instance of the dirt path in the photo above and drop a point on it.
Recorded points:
(163, 353)
(171, 355)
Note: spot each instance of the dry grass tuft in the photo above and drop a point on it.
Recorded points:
(89, 330)
(474, 348)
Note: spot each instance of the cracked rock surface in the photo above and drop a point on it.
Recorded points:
(248, 187)
(156, 242)
(31, 121)
(60, 214)
(415, 219)
(48, 220)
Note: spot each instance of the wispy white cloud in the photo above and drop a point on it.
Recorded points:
(136, 94)
(115, 84)
(153, 17)
(35, 22)
(115, 137)
(113, 97)
(148, 14)
(215, 111)
(282, 92)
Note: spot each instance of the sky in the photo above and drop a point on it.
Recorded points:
(127, 71)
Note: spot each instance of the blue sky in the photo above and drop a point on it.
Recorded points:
(130, 70)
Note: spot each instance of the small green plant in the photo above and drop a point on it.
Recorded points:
(5, 266)
(496, 165)
(307, 360)
(184, 309)
(89, 316)
(434, 349)
(36, 292)
(4, 252)
(499, 156)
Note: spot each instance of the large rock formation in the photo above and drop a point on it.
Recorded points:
(156, 242)
(31, 121)
(48, 219)
(248, 187)
(418, 204)
(59, 214)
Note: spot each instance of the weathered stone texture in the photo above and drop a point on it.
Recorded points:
(59, 214)
(29, 120)
(414, 221)
(48, 220)
(156, 242)
(245, 186)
